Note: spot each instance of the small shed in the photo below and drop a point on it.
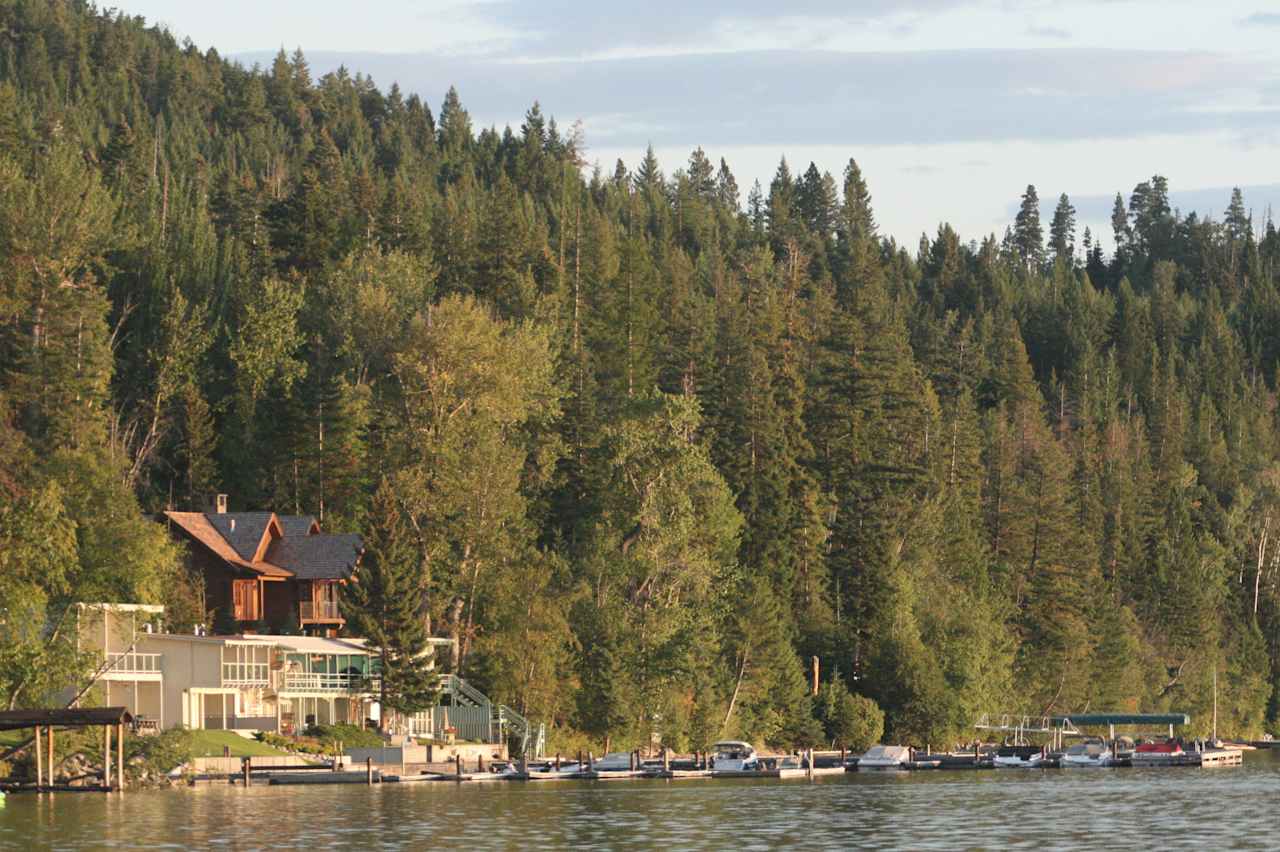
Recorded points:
(44, 722)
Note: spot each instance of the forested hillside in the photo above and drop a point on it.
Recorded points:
(660, 438)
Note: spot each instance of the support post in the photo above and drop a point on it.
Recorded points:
(557, 761)
(106, 756)
(246, 767)
(631, 761)
(368, 770)
(666, 759)
(49, 733)
(591, 762)
(120, 779)
(457, 765)
(480, 763)
(40, 758)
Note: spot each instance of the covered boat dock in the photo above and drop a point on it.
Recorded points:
(44, 722)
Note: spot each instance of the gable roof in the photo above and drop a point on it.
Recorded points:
(298, 525)
(317, 557)
(198, 525)
(242, 530)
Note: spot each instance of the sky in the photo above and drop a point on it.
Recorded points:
(950, 107)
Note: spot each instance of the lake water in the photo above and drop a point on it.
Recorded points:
(1229, 807)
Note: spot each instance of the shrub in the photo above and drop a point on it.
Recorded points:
(853, 721)
(348, 735)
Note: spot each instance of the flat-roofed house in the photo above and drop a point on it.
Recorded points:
(251, 682)
(263, 569)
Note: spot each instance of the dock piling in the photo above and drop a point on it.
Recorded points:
(40, 758)
(245, 769)
(368, 770)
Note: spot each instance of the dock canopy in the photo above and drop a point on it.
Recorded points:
(70, 717)
(1125, 719)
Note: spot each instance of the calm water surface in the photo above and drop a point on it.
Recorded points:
(1008, 809)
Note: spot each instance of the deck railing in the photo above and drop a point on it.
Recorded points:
(324, 682)
(132, 662)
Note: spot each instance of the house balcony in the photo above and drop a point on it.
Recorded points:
(133, 666)
(321, 682)
(319, 611)
(246, 673)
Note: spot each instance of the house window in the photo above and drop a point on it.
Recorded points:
(246, 604)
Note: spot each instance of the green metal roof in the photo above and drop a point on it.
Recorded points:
(1126, 719)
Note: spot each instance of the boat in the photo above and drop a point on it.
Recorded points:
(885, 757)
(547, 771)
(734, 756)
(615, 761)
(1088, 753)
(1148, 754)
(1019, 757)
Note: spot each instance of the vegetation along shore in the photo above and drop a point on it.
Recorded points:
(638, 457)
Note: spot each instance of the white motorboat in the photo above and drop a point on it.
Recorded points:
(1019, 757)
(614, 761)
(734, 756)
(549, 770)
(1086, 754)
(885, 757)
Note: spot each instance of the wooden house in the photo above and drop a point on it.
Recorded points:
(268, 570)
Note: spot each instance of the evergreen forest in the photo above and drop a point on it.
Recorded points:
(652, 441)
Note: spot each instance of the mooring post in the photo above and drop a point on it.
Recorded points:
(810, 764)
(245, 769)
(480, 763)
(457, 764)
(844, 757)
(40, 758)
(631, 761)
(49, 733)
(368, 770)
(121, 780)
(666, 759)
(557, 761)
(591, 762)
(579, 758)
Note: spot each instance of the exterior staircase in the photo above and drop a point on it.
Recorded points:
(504, 723)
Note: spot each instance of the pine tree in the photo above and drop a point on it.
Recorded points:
(384, 604)
(1062, 231)
(1028, 236)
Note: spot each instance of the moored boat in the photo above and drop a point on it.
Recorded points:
(734, 756)
(885, 757)
(1019, 757)
(1154, 753)
(1092, 753)
(615, 761)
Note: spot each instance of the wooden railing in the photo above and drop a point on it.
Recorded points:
(319, 611)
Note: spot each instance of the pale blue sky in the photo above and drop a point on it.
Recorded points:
(950, 106)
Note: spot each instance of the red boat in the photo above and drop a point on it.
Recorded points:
(1166, 747)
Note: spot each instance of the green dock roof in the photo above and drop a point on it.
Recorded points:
(1126, 719)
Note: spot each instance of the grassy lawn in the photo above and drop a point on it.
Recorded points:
(206, 743)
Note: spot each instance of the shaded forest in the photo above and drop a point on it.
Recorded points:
(659, 438)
